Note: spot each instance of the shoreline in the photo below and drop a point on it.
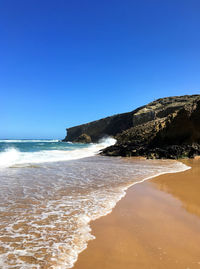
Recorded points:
(124, 193)
(108, 228)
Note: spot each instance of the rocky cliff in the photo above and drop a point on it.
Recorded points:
(96, 130)
(166, 128)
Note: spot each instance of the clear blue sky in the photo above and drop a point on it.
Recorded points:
(64, 63)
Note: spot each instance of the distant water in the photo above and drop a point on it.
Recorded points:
(50, 191)
(16, 152)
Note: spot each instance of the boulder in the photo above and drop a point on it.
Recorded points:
(83, 138)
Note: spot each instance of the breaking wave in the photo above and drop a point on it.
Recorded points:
(13, 156)
(27, 140)
(46, 208)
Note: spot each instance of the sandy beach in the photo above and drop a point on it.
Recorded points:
(156, 225)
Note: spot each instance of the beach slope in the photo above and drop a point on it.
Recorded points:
(156, 225)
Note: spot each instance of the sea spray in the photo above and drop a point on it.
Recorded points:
(20, 152)
(45, 209)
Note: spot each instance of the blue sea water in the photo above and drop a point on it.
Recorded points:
(49, 193)
(26, 145)
(15, 152)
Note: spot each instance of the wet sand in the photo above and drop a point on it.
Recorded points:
(156, 225)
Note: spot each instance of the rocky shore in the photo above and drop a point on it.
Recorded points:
(166, 128)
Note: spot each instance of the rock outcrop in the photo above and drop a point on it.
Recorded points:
(83, 138)
(166, 128)
(176, 135)
(96, 130)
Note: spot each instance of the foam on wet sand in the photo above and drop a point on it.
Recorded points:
(156, 225)
(46, 210)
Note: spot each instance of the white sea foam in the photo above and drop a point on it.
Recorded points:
(12, 156)
(58, 201)
(27, 140)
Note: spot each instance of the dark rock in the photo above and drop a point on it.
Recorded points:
(172, 137)
(114, 125)
(83, 138)
(166, 128)
(109, 126)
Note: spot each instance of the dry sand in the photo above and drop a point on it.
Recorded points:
(156, 225)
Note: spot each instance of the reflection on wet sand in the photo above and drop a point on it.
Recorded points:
(186, 187)
(45, 210)
(150, 227)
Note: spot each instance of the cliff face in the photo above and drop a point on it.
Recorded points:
(174, 136)
(166, 128)
(96, 130)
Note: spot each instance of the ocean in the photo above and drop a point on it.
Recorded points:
(51, 190)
